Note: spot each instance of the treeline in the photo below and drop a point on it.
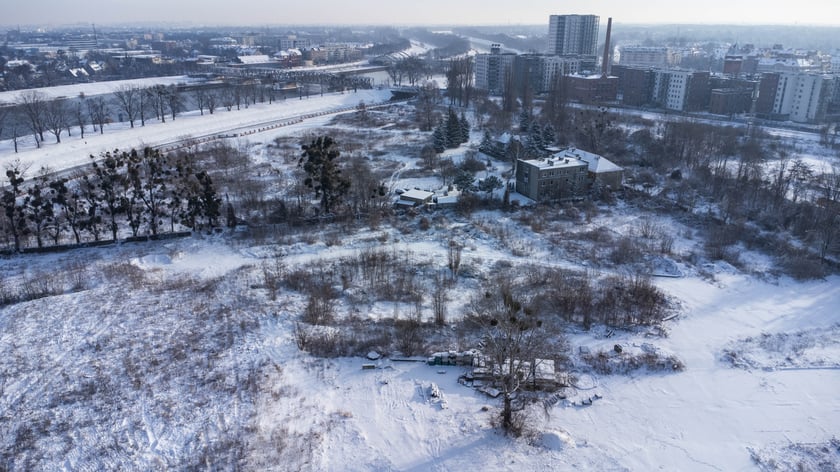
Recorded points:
(35, 114)
(120, 193)
(762, 193)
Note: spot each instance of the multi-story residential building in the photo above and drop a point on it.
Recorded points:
(573, 34)
(635, 85)
(834, 63)
(534, 71)
(740, 65)
(731, 96)
(559, 177)
(293, 42)
(648, 56)
(681, 90)
(591, 88)
(802, 98)
(730, 101)
(491, 70)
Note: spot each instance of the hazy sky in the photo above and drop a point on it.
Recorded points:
(402, 12)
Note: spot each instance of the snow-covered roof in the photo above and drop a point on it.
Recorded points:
(447, 200)
(255, 59)
(597, 164)
(415, 194)
(555, 162)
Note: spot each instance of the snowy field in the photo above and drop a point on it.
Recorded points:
(92, 89)
(173, 356)
(75, 151)
(172, 352)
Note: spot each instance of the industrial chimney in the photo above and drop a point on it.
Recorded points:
(605, 67)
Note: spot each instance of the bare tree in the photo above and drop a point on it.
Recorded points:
(439, 299)
(142, 105)
(427, 100)
(228, 97)
(70, 204)
(459, 81)
(13, 207)
(127, 98)
(5, 113)
(56, 117)
(366, 192)
(80, 117)
(157, 96)
(453, 258)
(98, 111)
(39, 206)
(212, 101)
(33, 104)
(200, 96)
(827, 226)
(515, 340)
(109, 183)
(174, 101)
(147, 176)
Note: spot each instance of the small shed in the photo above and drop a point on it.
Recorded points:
(416, 197)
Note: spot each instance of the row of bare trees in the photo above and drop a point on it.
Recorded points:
(412, 69)
(35, 114)
(127, 193)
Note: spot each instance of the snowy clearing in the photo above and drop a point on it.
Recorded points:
(176, 355)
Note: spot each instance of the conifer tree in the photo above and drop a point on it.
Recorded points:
(439, 139)
(454, 132)
(322, 173)
(465, 129)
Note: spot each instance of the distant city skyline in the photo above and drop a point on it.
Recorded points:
(427, 12)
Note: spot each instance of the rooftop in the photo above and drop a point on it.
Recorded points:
(597, 164)
(555, 162)
(417, 194)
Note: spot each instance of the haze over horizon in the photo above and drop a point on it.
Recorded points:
(429, 12)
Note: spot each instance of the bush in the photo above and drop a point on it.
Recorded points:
(610, 363)
(471, 164)
(804, 267)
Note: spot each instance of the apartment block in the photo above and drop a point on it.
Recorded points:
(573, 34)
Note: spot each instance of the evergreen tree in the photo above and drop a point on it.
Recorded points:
(486, 145)
(465, 129)
(465, 182)
(454, 132)
(439, 139)
(549, 136)
(322, 173)
(525, 120)
(535, 140)
(490, 184)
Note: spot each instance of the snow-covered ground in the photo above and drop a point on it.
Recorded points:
(333, 415)
(167, 355)
(92, 89)
(74, 151)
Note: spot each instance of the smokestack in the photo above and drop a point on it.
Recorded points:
(606, 65)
